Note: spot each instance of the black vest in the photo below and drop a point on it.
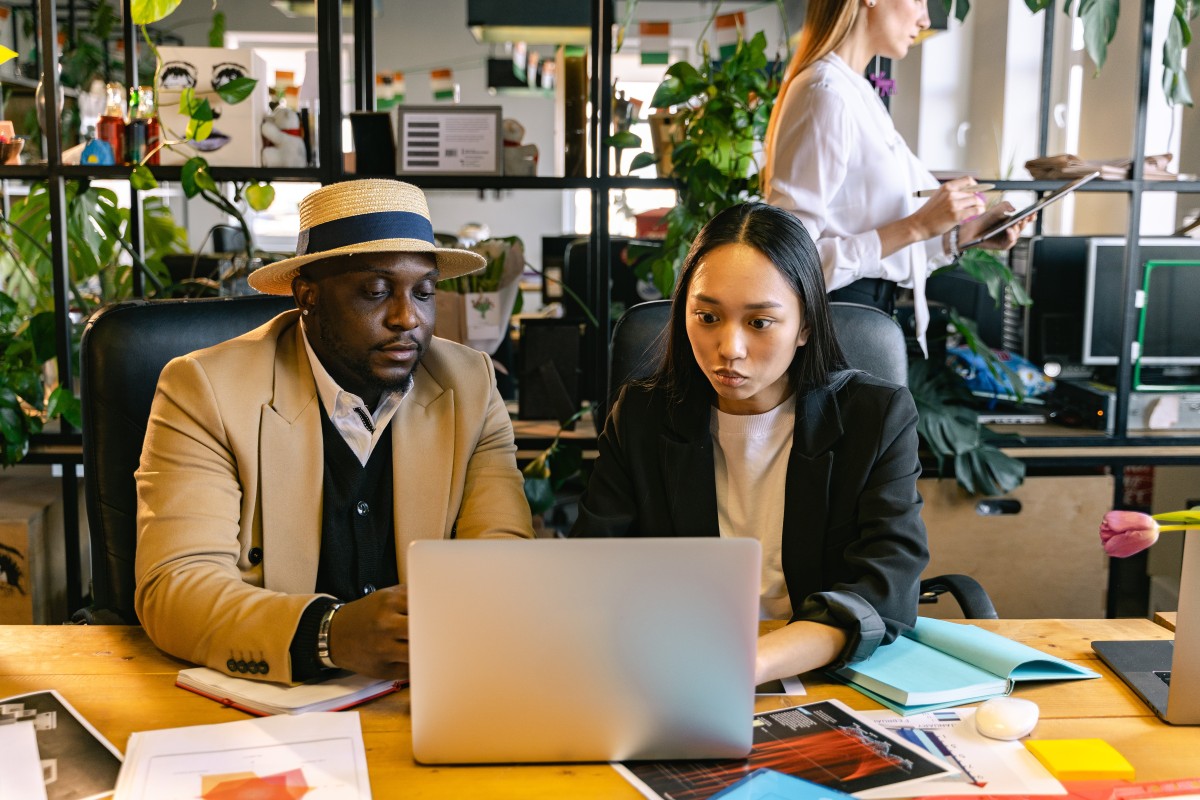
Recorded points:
(358, 539)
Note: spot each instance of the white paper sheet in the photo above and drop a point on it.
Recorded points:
(989, 766)
(20, 764)
(322, 752)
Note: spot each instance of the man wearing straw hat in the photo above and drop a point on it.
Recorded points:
(285, 472)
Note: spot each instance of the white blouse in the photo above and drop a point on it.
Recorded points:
(839, 164)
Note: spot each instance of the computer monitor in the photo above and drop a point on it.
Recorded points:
(1171, 337)
(1166, 674)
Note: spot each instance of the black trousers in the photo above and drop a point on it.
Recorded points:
(876, 292)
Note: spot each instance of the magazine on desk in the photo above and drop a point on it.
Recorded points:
(77, 762)
(329, 693)
(939, 664)
(825, 743)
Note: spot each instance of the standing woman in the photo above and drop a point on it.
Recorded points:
(836, 161)
(752, 427)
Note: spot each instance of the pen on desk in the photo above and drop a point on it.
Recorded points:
(979, 187)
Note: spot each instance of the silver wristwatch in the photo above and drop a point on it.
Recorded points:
(323, 636)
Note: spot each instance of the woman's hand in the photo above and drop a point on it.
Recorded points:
(953, 202)
(972, 228)
(950, 204)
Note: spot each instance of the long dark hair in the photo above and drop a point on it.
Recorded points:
(827, 23)
(784, 240)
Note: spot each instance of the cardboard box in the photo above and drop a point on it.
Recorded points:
(236, 139)
(33, 582)
(1041, 561)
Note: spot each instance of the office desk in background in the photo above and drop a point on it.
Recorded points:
(121, 683)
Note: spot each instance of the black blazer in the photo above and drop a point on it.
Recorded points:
(854, 545)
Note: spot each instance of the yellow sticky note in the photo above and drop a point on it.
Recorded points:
(6, 55)
(1080, 759)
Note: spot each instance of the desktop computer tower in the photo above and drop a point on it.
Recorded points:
(1053, 270)
(565, 262)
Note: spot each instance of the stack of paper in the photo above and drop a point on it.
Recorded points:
(272, 756)
(986, 766)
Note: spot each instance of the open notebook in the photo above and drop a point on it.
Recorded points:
(939, 664)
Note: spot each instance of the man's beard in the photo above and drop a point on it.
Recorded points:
(360, 366)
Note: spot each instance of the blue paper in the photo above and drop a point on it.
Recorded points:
(767, 784)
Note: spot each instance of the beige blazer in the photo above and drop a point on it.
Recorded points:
(232, 463)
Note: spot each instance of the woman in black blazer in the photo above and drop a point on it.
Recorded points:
(708, 447)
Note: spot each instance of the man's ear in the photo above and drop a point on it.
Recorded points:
(304, 291)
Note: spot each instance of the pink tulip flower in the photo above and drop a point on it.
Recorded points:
(1123, 533)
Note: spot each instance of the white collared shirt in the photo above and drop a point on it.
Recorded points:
(359, 427)
(842, 168)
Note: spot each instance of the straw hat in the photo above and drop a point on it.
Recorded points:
(363, 216)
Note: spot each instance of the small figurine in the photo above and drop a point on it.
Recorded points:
(284, 139)
(519, 159)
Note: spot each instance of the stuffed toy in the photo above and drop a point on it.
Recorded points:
(519, 159)
(283, 139)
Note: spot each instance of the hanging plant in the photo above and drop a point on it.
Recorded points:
(1099, 18)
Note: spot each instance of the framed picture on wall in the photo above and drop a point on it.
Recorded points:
(449, 140)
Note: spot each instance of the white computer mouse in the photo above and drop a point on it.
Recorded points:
(1006, 717)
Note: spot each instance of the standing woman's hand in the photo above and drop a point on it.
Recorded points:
(952, 202)
(1005, 239)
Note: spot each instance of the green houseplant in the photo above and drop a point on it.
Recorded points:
(101, 264)
(725, 107)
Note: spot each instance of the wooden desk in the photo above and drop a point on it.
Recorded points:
(1166, 619)
(121, 683)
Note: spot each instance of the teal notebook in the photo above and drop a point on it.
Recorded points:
(939, 664)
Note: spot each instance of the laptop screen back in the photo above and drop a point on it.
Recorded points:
(582, 650)
(1166, 674)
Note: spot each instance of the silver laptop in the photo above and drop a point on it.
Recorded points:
(582, 650)
(1165, 674)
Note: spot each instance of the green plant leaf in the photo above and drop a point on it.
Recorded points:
(1099, 26)
(41, 334)
(1179, 36)
(237, 90)
(142, 178)
(63, 403)
(1188, 517)
(623, 140)
(260, 196)
(539, 494)
(989, 471)
(192, 106)
(198, 129)
(147, 12)
(671, 92)
(1039, 5)
(642, 160)
(193, 175)
(216, 33)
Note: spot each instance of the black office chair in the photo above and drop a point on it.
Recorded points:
(871, 341)
(125, 346)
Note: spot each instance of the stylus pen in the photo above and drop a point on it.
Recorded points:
(979, 187)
